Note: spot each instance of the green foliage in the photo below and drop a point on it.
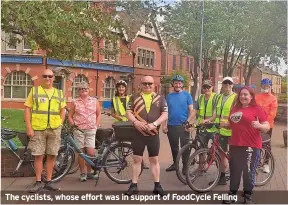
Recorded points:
(284, 85)
(63, 29)
(282, 98)
(166, 81)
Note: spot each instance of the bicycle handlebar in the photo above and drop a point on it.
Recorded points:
(206, 125)
(106, 113)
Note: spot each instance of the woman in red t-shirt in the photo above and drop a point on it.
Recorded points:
(246, 120)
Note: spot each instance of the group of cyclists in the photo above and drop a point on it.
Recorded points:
(147, 111)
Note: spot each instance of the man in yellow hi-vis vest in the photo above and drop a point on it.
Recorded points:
(225, 102)
(205, 107)
(44, 115)
(120, 101)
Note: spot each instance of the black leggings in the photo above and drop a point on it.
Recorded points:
(243, 159)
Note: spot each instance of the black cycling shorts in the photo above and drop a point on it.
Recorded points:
(140, 142)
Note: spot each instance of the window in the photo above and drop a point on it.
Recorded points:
(12, 42)
(148, 28)
(17, 85)
(174, 62)
(109, 88)
(145, 58)
(187, 63)
(26, 46)
(181, 62)
(78, 79)
(110, 51)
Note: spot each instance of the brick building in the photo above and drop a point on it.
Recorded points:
(141, 55)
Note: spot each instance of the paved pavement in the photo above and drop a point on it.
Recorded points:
(168, 179)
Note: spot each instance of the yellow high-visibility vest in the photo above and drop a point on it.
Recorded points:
(45, 111)
(119, 108)
(206, 112)
(223, 112)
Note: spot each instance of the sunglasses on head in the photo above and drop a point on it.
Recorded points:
(227, 82)
(47, 76)
(147, 83)
(206, 87)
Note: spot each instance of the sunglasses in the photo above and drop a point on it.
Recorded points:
(227, 82)
(83, 89)
(206, 87)
(147, 83)
(47, 76)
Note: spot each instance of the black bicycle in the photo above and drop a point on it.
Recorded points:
(114, 156)
(193, 145)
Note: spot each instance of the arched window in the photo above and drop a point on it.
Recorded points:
(109, 88)
(78, 79)
(17, 85)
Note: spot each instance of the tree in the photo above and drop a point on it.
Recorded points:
(63, 29)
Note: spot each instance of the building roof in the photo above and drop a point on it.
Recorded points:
(268, 70)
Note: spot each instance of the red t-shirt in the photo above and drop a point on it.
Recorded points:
(243, 134)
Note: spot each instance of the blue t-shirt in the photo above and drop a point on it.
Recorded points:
(178, 110)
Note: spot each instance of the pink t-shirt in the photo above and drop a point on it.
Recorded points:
(85, 113)
(243, 134)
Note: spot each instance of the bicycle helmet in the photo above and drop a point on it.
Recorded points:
(178, 78)
(266, 81)
(121, 82)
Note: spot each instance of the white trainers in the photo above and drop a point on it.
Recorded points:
(266, 168)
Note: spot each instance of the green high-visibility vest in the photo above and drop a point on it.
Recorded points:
(223, 112)
(119, 108)
(206, 112)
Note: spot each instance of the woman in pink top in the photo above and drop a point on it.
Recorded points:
(85, 113)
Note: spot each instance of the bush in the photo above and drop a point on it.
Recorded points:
(282, 98)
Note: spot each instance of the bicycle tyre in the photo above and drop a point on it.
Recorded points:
(272, 169)
(179, 174)
(112, 149)
(75, 166)
(189, 177)
(57, 177)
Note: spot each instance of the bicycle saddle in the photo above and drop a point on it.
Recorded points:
(7, 134)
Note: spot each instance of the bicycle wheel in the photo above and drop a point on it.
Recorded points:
(118, 161)
(75, 165)
(180, 171)
(63, 163)
(199, 166)
(266, 158)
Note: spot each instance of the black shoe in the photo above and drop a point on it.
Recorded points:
(247, 199)
(171, 168)
(37, 186)
(132, 190)
(159, 190)
(51, 187)
(222, 181)
(229, 200)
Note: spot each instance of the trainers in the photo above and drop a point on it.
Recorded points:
(83, 177)
(230, 200)
(92, 176)
(247, 199)
(132, 190)
(159, 190)
(266, 168)
(51, 187)
(37, 186)
(222, 181)
(171, 168)
(145, 166)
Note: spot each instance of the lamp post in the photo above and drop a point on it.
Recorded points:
(200, 55)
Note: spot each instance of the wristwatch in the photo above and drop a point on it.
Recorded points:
(155, 124)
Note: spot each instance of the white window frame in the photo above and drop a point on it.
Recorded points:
(16, 74)
(25, 49)
(109, 84)
(144, 56)
(8, 48)
(78, 79)
(109, 45)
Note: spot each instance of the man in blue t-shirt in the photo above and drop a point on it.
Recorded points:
(180, 111)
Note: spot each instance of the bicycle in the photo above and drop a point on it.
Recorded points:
(111, 154)
(191, 147)
(211, 156)
(26, 158)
